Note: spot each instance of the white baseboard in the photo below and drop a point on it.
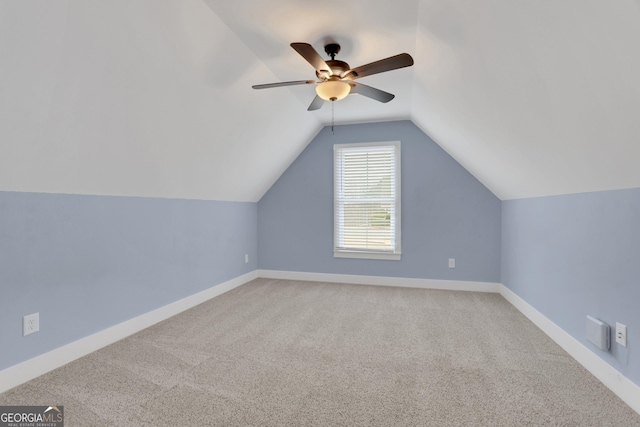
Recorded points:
(39, 365)
(623, 387)
(450, 285)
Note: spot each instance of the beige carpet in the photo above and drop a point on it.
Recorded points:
(276, 352)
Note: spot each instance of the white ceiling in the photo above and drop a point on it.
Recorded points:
(153, 97)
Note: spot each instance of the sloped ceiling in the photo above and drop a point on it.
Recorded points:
(153, 97)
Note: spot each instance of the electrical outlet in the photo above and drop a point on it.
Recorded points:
(30, 324)
(621, 334)
(246, 258)
(452, 263)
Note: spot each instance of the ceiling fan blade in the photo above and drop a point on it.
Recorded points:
(316, 104)
(293, 83)
(312, 56)
(387, 64)
(371, 92)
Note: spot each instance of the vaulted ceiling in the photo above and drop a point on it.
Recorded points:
(153, 97)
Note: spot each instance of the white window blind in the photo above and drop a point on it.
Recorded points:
(367, 200)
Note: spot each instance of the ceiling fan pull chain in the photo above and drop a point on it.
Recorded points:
(333, 103)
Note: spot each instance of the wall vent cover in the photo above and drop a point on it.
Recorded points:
(598, 333)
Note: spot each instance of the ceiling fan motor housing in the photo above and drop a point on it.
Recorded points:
(338, 68)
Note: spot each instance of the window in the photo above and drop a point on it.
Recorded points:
(367, 200)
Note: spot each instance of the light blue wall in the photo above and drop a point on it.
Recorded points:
(86, 263)
(577, 255)
(446, 212)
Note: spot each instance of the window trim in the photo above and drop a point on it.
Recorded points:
(373, 254)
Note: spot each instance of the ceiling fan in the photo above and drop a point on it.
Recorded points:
(336, 78)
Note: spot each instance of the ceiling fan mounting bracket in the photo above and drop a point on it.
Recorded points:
(332, 49)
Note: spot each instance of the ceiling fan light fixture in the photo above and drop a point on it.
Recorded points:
(333, 90)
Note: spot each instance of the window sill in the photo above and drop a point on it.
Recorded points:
(367, 255)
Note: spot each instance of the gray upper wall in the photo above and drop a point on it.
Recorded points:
(446, 212)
